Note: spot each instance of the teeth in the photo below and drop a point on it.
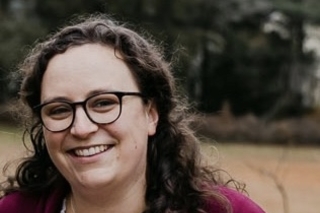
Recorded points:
(90, 151)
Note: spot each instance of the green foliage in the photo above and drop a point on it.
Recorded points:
(15, 35)
(306, 9)
(224, 53)
(55, 13)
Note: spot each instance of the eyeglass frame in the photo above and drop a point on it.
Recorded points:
(83, 104)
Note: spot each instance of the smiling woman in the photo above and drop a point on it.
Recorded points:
(109, 132)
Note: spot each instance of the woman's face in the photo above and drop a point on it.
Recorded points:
(118, 150)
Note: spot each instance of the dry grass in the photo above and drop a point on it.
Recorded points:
(296, 130)
(296, 169)
(273, 171)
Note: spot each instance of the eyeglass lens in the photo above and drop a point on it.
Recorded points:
(102, 109)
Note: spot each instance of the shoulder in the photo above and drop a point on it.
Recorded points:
(18, 202)
(240, 203)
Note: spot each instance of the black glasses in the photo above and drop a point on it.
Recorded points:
(102, 108)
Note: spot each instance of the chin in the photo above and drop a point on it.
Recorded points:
(92, 181)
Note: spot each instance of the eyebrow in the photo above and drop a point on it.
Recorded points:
(98, 91)
(65, 99)
(59, 98)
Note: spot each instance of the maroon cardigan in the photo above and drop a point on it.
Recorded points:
(52, 203)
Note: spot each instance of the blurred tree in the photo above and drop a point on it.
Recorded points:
(254, 70)
(18, 28)
(229, 50)
(55, 13)
(294, 15)
(4, 7)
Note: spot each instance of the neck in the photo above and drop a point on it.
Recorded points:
(107, 201)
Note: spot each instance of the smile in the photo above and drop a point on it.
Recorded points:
(86, 152)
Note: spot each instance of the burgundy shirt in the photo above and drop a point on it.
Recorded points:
(18, 202)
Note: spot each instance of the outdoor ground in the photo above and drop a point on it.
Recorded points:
(274, 175)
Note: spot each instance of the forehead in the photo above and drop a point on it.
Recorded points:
(83, 69)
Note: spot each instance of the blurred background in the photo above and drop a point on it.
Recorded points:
(250, 66)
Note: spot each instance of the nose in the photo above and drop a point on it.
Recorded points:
(82, 126)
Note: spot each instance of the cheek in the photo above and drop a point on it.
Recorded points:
(132, 121)
(52, 140)
(133, 132)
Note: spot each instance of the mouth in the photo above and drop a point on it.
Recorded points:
(90, 151)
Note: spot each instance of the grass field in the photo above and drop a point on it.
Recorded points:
(273, 174)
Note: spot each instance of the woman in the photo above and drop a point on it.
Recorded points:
(109, 131)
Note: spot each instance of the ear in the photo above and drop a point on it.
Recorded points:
(153, 117)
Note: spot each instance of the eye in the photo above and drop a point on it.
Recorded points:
(57, 111)
(103, 103)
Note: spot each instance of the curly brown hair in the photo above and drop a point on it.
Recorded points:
(176, 179)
